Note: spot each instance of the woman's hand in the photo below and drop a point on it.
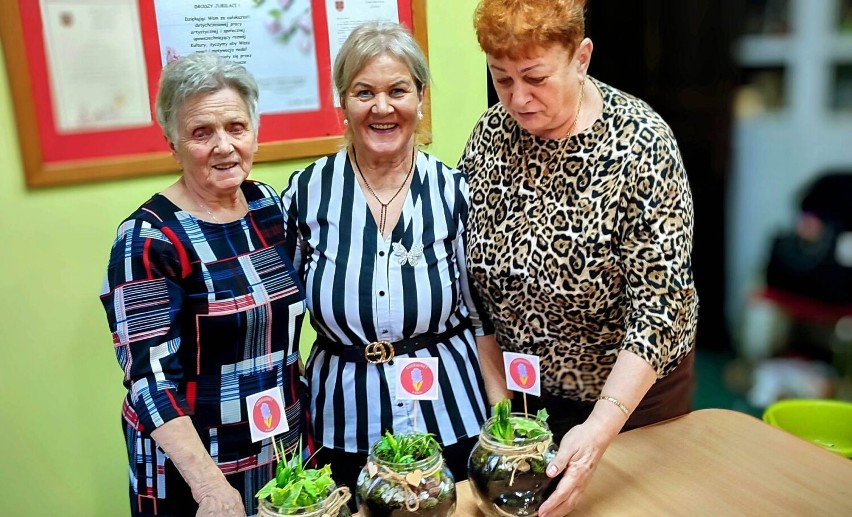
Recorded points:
(580, 450)
(220, 499)
(214, 495)
(582, 447)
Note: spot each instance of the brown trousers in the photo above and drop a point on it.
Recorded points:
(669, 397)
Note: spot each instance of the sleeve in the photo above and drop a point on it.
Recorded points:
(294, 243)
(142, 296)
(655, 250)
(482, 325)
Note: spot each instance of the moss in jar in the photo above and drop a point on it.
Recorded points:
(295, 489)
(507, 468)
(406, 477)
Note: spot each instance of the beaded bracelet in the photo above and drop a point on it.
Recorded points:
(617, 402)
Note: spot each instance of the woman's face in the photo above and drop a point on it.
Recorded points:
(381, 105)
(541, 90)
(215, 141)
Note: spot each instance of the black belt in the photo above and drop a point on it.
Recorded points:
(379, 352)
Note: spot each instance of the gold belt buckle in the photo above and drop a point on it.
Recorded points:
(379, 352)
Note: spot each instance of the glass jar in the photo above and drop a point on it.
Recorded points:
(511, 479)
(334, 505)
(425, 488)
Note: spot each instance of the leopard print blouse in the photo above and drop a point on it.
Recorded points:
(580, 247)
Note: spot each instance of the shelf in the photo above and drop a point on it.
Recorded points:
(839, 47)
(760, 50)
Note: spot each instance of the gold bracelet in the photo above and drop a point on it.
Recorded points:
(617, 402)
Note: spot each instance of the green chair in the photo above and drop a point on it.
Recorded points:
(827, 423)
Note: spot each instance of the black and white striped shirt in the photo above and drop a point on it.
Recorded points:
(362, 288)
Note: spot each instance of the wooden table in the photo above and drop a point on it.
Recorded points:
(711, 462)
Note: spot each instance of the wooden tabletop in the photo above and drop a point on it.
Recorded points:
(711, 462)
(716, 462)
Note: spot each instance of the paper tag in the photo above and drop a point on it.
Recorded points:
(522, 373)
(266, 414)
(416, 378)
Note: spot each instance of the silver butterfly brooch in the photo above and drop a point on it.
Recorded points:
(412, 257)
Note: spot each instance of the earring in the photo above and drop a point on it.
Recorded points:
(419, 115)
(346, 122)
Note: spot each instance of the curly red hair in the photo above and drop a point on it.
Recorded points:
(510, 28)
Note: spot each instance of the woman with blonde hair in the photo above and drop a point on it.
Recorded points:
(377, 232)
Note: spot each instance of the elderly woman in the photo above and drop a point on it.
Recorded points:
(377, 231)
(579, 235)
(204, 305)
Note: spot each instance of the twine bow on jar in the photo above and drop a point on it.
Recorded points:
(330, 506)
(517, 457)
(408, 481)
(335, 501)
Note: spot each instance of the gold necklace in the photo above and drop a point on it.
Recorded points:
(200, 205)
(383, 213)
(579, 105)
(548, 164)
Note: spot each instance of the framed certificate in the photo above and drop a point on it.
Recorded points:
(84, 75)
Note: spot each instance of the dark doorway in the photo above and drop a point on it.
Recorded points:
(676, 55)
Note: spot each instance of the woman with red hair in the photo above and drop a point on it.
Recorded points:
(579, 236)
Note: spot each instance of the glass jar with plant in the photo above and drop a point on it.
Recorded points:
(507, 466)
(296, 490)
(406, 475)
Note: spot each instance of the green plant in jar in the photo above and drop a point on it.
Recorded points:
(406, 475)
(296, 490)
(507, 468)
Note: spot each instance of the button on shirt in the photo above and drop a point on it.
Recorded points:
(363, 288)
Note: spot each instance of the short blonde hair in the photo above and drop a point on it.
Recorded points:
(510, 28)
(373, 39)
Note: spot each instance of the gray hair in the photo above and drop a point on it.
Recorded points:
(373, 39)
(201, 72)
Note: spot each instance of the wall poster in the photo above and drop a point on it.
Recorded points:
(84, 74)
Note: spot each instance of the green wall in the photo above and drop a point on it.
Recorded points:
(61, 450)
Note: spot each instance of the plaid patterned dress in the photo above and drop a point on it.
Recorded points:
(202, 315)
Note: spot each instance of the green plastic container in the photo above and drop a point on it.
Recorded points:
(827, 423)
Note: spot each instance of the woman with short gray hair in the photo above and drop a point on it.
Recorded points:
(202, 72)
(204, 308)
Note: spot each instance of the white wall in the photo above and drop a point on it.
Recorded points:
(776, 154)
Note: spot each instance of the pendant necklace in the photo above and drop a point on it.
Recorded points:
(215, 219)
(203, 207)
(579, 105)
(548, 165)
(383, 213)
